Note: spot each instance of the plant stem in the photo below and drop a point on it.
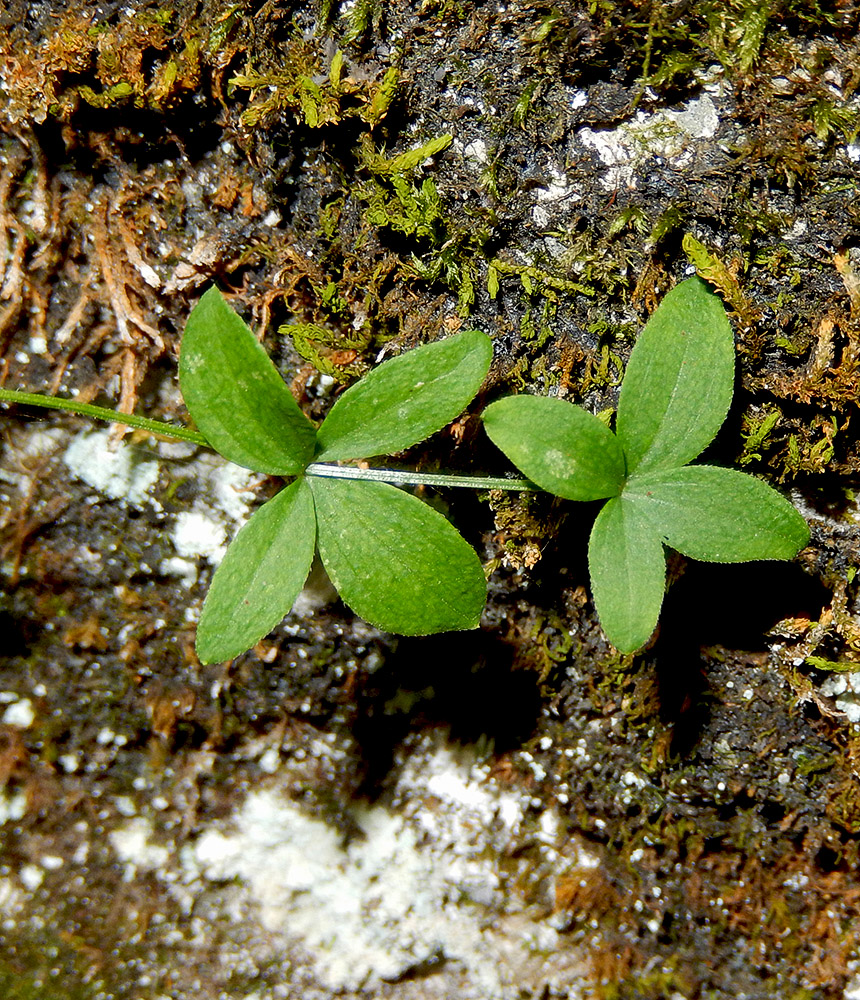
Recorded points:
(102, 413)
(418, 478)
(316, 469)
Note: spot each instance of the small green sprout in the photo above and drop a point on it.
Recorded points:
(397, 562)
(674, 398)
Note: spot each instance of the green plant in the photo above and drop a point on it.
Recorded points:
(397, 562)
(400, 564)
(674, 398)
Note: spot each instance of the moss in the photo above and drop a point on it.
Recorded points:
(111, 61)
(363, 15)
(725, 278)
(442, 249)
(812, 762)
(603, 367)
(664, 47)
(807, 452)
(523, 525)
(755, 433)
(831, 375)
(331, 353)
(844, 806)
(783, 265)
(224, 25)
(831, 120)
(32, 973)
(653, 985)
(550, 642)
(318, 96)
(116, 94)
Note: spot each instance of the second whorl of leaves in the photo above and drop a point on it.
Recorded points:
(674, 398)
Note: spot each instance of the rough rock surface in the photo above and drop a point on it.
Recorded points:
(515, 812)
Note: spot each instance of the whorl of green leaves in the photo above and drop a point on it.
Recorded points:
(396, 562)
(674, 398)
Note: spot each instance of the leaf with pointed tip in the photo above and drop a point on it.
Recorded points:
(718, 515)
(628, 574)
(235, 395)
(396, 562)
(679, 381)
(261, 575)
(564, 449)
(406, 399)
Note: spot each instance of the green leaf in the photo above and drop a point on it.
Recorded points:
(679, 381)
(718, 515)
(406, 399)
(628, 574)
(395, 561)
(564, 449)
(260, 577)
(236, 396)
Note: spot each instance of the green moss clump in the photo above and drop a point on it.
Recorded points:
(316, 97)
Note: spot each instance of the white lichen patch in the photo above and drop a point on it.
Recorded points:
(229, 487)
(415, 887)
(24, 450)
(220, 508)
(663, 134)
(11, 900)
(12, 807)
(31, 877)
(361, 911)
(852, 988)
(845, 690)
(552, 196)
(19, 714)
(198, 534)
(474, 152)
(120, 470)
(133, 846)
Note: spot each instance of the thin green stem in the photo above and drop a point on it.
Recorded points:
(102, 413)
(316, 469)
(418, 478)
